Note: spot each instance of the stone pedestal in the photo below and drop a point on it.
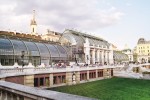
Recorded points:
(69, 78)
(77, 77)
(106, 73)
(29, 80)
(51, 79)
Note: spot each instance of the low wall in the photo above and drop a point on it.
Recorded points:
(18, 92)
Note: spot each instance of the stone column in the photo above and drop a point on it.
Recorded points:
(5, 98)
(87, 51)
(93, 56)
(88, 75)
(18, 97)
(102, 56)
(111, 59)
(77, 77)
(87, 55)
(69, 78)
(96, 73)
(29, 80)
(0, 94)
(9, 96)
(108, 58)
(98, 56)
(51, 79)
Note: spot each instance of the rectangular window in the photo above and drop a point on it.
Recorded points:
(41, 81)
(35, 82)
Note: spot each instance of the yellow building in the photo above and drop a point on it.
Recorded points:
(143, 50)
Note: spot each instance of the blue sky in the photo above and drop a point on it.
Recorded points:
(134, 23)
(118, 21)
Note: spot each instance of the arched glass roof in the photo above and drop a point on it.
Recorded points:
(119, 56)
(81, 37)
(33, 49)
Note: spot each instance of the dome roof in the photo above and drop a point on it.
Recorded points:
(141, 41)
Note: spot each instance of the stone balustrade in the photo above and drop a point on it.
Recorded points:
(50, 69)
(12, 91)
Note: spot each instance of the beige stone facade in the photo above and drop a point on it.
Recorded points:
(61, 78)
(51, 36)
(29, 80)
(143, 50)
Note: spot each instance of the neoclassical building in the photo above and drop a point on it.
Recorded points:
(51, 36)
(87, 48)
(143, 50)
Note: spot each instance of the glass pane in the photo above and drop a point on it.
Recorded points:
(78, 39)
(44, 53)
(61, 50)
(6, 47)
(19, 46)
(33, 50)
(53, 50)
(43, 50)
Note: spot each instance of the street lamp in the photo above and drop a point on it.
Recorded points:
(75, 58)
(22, 57)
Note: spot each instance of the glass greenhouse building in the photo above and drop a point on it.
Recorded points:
(20, 51)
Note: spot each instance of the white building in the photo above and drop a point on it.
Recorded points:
(128, 52)
(87, 48)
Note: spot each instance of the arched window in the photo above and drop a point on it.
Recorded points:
(33, 29)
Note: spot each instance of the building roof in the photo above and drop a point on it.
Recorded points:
(119, 56)
(80, 38)
(24, 36)
(143, 41)
(43, 50)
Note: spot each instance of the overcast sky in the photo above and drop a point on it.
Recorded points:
(118, 21)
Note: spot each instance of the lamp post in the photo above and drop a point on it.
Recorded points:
(22, 57)
(75, 58)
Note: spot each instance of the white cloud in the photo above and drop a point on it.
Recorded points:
(58, 14)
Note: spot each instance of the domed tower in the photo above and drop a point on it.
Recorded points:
(141, 41)
(33, 25)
